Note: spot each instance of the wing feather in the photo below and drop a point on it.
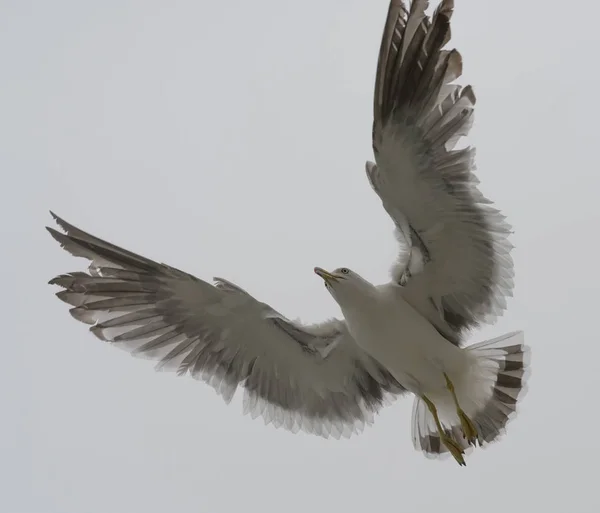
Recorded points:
(298, 377)
(458, 270)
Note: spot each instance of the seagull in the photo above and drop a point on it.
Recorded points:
(453, 274)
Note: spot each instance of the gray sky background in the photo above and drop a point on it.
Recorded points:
(229, 138)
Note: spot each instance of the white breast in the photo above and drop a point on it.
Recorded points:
(403, 341)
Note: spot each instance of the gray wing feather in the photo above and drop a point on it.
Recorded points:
(313, 378)
(459, 265)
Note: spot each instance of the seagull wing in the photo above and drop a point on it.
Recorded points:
(458, 262)
(313, 378)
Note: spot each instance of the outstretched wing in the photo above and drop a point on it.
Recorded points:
(313, 378)
(459, 253)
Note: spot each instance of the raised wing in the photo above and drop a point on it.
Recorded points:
(458, 270)
(313, 378)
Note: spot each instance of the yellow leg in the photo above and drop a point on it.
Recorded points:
(468, 428)
(453, 446)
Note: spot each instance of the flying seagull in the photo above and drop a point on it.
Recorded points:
(407, 336)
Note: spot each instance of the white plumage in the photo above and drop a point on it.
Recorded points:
(454, 273)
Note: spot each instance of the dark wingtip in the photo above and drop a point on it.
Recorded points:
(56, 235)
(67, 227)
(56, 218)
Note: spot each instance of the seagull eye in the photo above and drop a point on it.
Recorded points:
(345, 271)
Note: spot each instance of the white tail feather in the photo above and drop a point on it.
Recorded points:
(489, 396)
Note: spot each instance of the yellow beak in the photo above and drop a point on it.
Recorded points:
(326, 275)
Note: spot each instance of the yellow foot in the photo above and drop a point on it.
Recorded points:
(454, 449)
(451, 444)
(468, 428)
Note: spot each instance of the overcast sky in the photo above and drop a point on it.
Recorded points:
(229, 138)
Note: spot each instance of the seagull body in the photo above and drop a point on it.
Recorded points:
(412, 349)
(453, 273)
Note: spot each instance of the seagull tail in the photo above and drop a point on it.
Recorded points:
(489, 395)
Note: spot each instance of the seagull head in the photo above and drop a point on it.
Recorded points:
(344, 284)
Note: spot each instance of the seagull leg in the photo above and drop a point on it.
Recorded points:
(453, 446)
(468, 428)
